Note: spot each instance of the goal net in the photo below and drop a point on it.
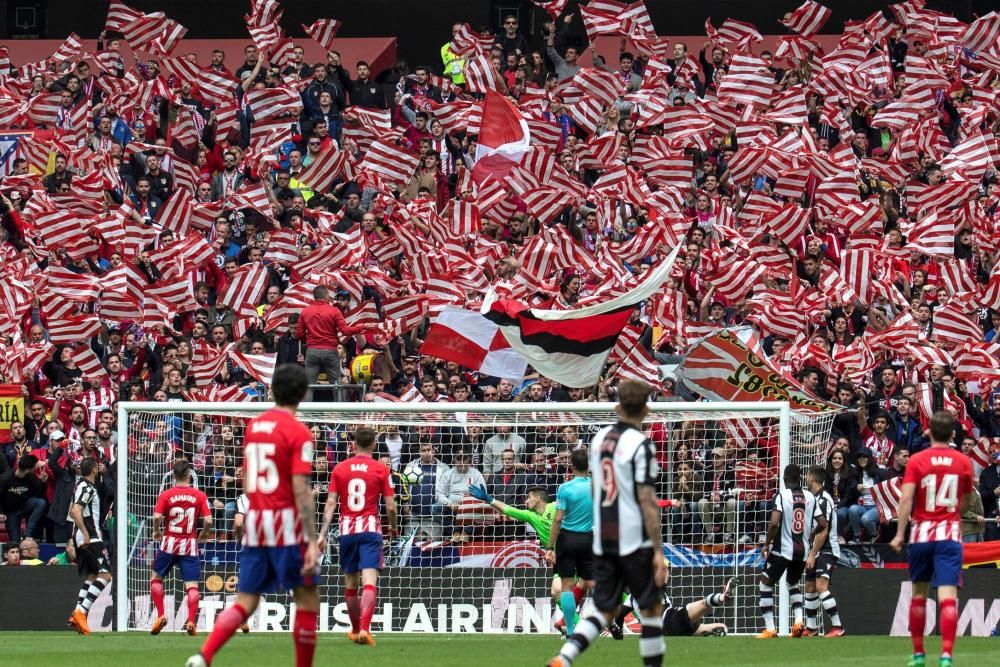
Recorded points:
(459, 566)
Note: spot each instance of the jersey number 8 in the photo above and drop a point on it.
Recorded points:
(356, 494)
(798, 520)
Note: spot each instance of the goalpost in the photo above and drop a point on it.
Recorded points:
(470, 570)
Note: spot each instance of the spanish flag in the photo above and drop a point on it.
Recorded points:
(981, 553)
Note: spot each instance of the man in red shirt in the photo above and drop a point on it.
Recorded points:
(361, 481)
(321, 325)
(937, 487)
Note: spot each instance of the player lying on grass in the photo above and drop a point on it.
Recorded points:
(540, 515)
(681, 621)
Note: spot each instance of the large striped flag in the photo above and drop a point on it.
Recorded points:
(473, 341)
(571, 346)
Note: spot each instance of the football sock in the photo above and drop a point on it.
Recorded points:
(578, 595)
(353, 609)
(830, 607)
(226, 624)
(651, 644)
(812, 607)
(714, 600)
(81, 598)
(918, 618)
(367, 607)
(949, 626)
(304, 634)
(96, 586)
(156, 592)
(192, 600)
(568, 604)
(767, 605)
(586, 632)
(795, 600)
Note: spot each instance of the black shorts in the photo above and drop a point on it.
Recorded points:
(613, 573)
(93, 559)
(825, 564)
(677, 623)
(777, 566)
(575, 555)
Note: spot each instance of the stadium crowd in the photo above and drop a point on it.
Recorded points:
(173, 229)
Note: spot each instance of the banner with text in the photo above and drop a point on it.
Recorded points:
(11, 408)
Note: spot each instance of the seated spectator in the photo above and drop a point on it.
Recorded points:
(840, 486)
(539, 473)
(900, 456)
(67, 557)
(863, 515)
(423, 494)
(11, 555)
(717, 505)
(29, 552)
(451, 489)
(504, 439)
(22, 497)
(686, 489)
(222, 489)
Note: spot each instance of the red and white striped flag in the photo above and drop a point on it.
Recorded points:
(982, 34)
(72, 329)
(748, 81)
(393, 163)
(268, 103)
(481, 75)
(88, 363)
(119, 16)
(808, 19)
(246, 287)
(259, 366)
(886, 496)
(324, 169)
(933, 235)
(323, 31)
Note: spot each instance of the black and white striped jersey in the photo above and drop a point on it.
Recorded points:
(828, 508)
(798, 509)
(86, 497)
(621, 459)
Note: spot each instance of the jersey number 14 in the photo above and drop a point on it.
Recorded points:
(945, 497)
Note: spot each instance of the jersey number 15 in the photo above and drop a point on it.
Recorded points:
(262, 473)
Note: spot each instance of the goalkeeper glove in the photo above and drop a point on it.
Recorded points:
(479, 492)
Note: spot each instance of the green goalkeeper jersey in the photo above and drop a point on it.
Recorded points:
(542, 523)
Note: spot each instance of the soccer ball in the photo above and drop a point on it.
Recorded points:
(413, 474)
(196, 661)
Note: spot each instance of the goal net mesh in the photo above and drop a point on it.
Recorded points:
(458, 565)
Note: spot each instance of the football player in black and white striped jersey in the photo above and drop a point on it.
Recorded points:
(819, 569)
(786, 547)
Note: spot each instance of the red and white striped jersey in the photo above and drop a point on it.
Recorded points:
(96, 400)
(941, 476)
(360, 482)
(181, 507)
(276, 447)
(881, 448)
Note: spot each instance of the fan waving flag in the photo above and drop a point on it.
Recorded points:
(503, 138)
(471, 340)
(571, 346)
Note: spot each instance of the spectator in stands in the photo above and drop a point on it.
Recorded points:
(321, 325)
(539, 473)
(686, 488)
(989, 491)
(19, 445)
(973, 520)
(29, 552)
(503, 439)
(508, 483)
(863, 515)
(900, 456)
(841, 487)
(905, 430)
(222, 489)
(423, 494)
(22, 498)
(450, 491)
(717, 505)
(11, 555)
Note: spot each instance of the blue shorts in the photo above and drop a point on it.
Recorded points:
(362, 551)
(273, 569)
(190, 566)
(937, 562)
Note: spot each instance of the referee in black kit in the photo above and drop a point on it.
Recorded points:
(627, 544)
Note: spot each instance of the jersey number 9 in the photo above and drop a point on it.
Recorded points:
(608, 483)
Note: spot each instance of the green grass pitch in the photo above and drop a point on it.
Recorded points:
(45, 649)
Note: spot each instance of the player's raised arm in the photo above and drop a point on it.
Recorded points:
(479, 492)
